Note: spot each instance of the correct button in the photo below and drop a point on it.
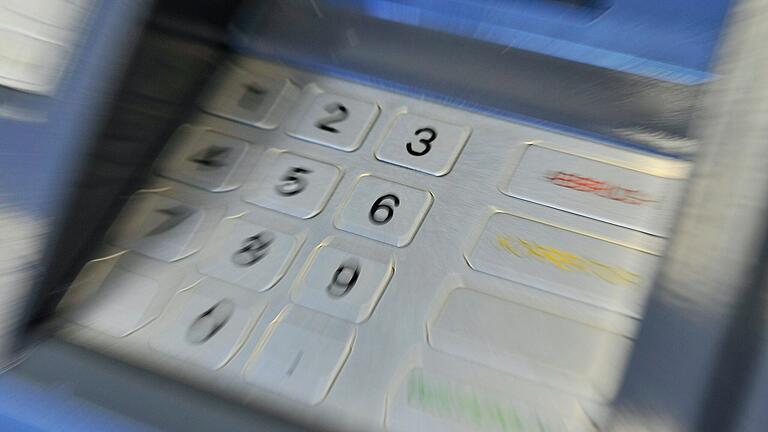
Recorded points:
(566, 262)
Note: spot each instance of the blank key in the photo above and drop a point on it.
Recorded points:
(509, 336)
(302, 355)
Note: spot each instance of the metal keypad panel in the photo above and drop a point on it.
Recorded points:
(349, 269)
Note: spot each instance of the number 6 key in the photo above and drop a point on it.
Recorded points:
(385, 211)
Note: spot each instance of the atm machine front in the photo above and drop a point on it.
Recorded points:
(531, 215)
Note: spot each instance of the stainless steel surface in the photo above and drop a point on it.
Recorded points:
(424, 144)
(392, 343)
(596, 189)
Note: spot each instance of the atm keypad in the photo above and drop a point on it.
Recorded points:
(316, 230)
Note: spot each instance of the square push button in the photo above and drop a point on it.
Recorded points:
(385, 211)
(293, 184)
(336, 121)
(161, 227)
(256, 100)
(120, 306)
(207, 324)
(302, 355)
(423, 144)
(250, 255)
(343, 283)
(204, 158)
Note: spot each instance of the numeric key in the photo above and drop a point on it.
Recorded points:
(423, 144)
(250, 255)
(256, 100)
(207, 324)
(385, 211)
(343, 282)
(161, 227)
(293, 184)
(204, 158)
(335, 121)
